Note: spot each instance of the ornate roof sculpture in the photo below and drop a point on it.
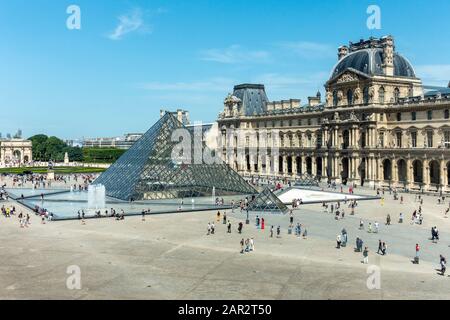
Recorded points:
(267, 202)
(148, 171)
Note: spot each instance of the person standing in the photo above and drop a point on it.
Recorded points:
(338, 241)
(224, 218)
(278, 231)
(370, 227)
(229, 227)
(384, 248)
(376, 227)
(416, 258)
(143, 215)
(271, 231)
(240, 227)
(209, 229)
(388, 220)
(366, 255)
(242, 246)
(262, 224)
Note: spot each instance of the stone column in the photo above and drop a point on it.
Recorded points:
(442, 173)
(409, 173)
(426, 174)
(294, 165)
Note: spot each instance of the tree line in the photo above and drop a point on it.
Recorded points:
(53, 149)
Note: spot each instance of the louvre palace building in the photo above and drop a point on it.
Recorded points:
(377, 126)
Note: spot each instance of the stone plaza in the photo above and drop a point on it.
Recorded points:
(171, 256)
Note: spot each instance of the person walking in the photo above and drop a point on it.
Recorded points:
(388, 220)
(240, 227)
(278, 231)
(229, 227)
(416, 257)
(443, 263)
(380, 247)
(208, 229)
(370, 227)
(384, 248)
(242, 246)
(338, 241)
(262, 223)
(366, 255)
(361, 224)
(271, 231)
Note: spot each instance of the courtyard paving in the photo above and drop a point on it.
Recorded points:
(171, 257)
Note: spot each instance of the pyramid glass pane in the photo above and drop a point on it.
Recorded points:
(267, 202)
(306, 180)
(148, 171)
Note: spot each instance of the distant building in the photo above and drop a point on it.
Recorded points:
(15, 152)
(126, 141)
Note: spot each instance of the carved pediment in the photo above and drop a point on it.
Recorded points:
(347, 77)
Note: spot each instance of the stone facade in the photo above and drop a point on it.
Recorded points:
(15, 152)
(378, 126)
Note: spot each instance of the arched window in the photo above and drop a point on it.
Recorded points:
(381, 95)
(335, 98)
(366, 95)
(350, 97)
(396, 95)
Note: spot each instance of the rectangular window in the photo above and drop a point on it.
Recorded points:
(381, 139)
(414, 139)
(447, 139)
(399, 139)
(413, 116)
(430, 115)
(430, 139)
(399, 116)
(319, 139)
(381, 116)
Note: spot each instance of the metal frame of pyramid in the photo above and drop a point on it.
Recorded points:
(306, 180)
(148, 172)
(267, 202)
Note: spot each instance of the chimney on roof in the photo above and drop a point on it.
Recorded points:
(388, 55)
(342, 52)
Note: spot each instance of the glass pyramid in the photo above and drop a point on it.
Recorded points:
(267, 202)
(306, 180)
(147, 171)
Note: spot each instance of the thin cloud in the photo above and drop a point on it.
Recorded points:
(434, 74)
(279, 81)
(234, 54)
(214, 84)
(129, 23)
(307, 49)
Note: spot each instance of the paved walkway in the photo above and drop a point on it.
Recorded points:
(171, 257)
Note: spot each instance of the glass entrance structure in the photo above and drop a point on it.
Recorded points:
(149, 170)
(267, 202)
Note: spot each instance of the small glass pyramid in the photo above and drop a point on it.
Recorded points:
(267, 202)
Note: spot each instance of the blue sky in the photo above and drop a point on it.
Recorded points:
(133, 57)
